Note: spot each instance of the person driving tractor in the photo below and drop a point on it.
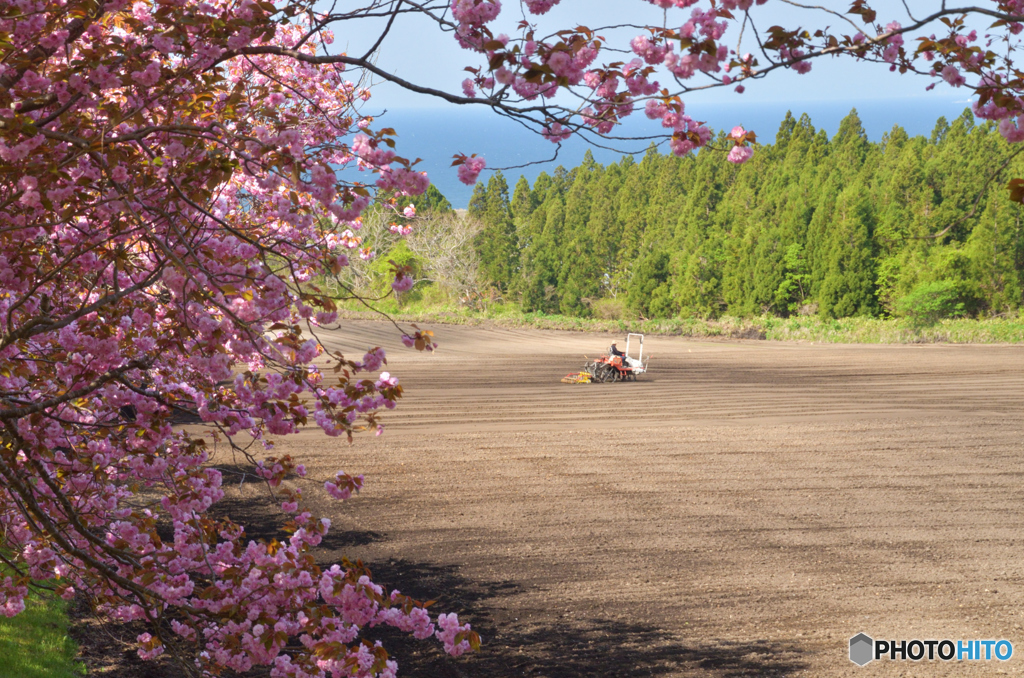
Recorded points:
(616, 365)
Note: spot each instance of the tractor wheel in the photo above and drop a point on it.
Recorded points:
(608, 374)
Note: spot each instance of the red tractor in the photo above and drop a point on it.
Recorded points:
(619, 368)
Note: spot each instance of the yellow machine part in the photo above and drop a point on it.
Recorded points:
(577, 378)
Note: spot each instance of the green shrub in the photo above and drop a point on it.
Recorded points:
(381, 272)
(930, 302)
(610, 309)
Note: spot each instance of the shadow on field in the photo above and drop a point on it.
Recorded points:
(542, 647)
(539, 646)
(596, 647)
(610, 648)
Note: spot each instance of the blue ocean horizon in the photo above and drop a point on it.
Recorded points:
(435, 135)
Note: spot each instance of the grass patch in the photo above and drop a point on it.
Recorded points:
(35, 643)
(1005, 330)
(893, 331)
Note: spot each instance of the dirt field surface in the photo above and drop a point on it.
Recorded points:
(743, 510)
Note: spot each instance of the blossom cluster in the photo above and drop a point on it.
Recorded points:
(535, 69)
(175, 187)
(692, 44)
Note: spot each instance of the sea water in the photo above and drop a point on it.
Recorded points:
(435, 134)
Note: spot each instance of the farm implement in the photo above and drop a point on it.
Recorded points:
(613, 367)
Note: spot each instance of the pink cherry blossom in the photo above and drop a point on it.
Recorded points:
(1011, 130)
(470, 170)
(402, 283)
(951, 74)
(540, 6)
(740, 154)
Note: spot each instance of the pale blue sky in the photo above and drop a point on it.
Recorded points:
(419, 52)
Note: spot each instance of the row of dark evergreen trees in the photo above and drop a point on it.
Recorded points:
(840, 227)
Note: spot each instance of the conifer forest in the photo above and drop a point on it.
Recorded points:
(811, 225)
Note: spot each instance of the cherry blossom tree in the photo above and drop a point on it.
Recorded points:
(176, 178)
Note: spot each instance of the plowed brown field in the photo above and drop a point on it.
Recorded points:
(743, 510)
